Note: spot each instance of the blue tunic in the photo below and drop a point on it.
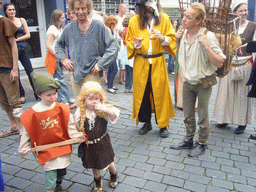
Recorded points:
(97, 46)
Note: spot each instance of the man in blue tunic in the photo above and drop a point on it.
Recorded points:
(92, 47)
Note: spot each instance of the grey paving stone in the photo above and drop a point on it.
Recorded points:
(7, 177)
(157, 154)
(221, 154)
(13, 160)
(162, 170)
(135, 181)
(156, 161)
(244, 166)
(239, 158)
(191, 161)
(155, 186)
(38, 178)
(133, 172)
(11, 170)
(26, 174)
(126, 162)
(249, 173)
(207, 158)
(76, 187)
(143, 166)
(153, 176)
(173, 181)
(176, 158)
(139, 158)
(211, 165)
(245, 188)
(139, 145)
(180, 174)
(236, 178)
(175, 189)
(19, 183)
(82, 179)
(240, 147)
(222, 183)
(194, 169)
(214, 189)
(29, 164)
(227, 162)
(126, 188)
(34, 187)
(78, 167)
(251, 182)
(141, 151)
(194, 186)
(121, 154)
(199, 178)
(215, 174)
(229, 169)
(175, 165)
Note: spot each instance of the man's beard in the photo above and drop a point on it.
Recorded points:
(150, 10)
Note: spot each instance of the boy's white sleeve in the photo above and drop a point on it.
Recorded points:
(25, 144)
(72, 130)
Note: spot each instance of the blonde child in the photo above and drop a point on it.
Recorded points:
(92, 117)
(45, 123)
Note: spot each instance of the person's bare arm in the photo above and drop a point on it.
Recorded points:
(27, 33)
(14, 75)
(49, 43)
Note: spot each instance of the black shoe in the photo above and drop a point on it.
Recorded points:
(221, 125)
(197, 150)
(58, 189)
(183, 145)
(240, 129)
(252, 136)
(145, 129)
(163, 132)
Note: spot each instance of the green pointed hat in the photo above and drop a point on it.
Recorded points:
(44, 82)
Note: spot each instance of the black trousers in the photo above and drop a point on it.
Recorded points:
(145, 108)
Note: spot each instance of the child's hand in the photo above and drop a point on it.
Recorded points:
(82, 139)
(101, 107)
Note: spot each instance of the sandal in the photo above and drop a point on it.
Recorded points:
(11, 131)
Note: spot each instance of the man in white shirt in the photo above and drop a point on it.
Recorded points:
(199, 58)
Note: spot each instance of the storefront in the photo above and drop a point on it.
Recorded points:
(37, 14)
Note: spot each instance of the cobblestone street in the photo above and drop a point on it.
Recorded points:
(144, 163)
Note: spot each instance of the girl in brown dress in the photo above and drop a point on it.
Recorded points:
(92, 117)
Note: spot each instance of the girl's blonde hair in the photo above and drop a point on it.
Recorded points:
(90, 87)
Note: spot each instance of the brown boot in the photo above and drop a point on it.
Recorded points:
(113, 180)
(98, 184)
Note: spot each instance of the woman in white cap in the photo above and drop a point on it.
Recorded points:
(232, 105)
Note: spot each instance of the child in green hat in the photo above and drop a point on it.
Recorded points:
(45, 123)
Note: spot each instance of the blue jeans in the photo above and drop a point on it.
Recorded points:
(171, 64)
(26, 63)
(112, 70)
(128, 77)
(63, 93)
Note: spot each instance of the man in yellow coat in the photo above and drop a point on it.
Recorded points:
(149, 35)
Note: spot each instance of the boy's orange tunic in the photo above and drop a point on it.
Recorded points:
(48, 127)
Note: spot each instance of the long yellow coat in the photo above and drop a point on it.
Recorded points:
(159, 77)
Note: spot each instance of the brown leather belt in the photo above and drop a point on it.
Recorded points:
(150, 56)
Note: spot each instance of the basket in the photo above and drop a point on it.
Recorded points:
(223, 24)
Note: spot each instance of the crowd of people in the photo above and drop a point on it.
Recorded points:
(94, 46)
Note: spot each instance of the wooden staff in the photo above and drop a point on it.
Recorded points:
(48, 146)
